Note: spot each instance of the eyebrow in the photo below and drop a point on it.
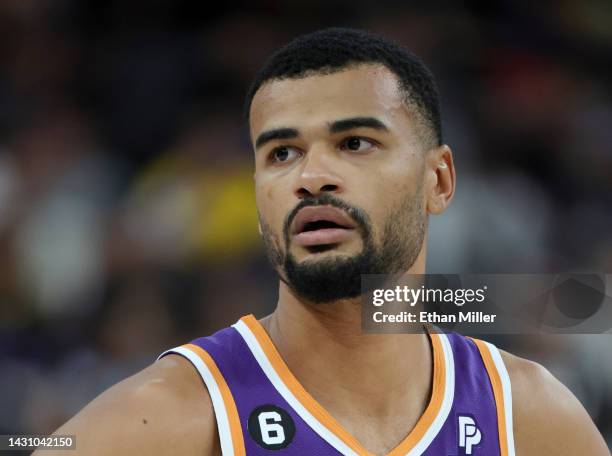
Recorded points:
(334, 127)
(356, 122)
(277, 133)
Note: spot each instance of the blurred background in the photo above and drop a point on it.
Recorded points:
(127, 218)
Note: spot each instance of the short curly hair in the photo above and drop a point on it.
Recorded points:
(334, 49)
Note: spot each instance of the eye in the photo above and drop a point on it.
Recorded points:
(283, 154)
(356, 144)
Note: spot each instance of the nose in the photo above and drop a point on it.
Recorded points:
(317, 175)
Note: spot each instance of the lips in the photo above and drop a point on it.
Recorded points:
(320, 225)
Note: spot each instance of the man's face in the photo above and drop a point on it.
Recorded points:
(338, 175)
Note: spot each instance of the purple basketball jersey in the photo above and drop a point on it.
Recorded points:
(261, 408)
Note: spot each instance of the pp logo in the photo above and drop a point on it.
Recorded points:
(271, 427)
(469, 434)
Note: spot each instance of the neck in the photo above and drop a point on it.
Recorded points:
(324, 346)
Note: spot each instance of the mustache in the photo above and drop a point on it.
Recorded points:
(361, 218)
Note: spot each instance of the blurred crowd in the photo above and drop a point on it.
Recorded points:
(127, 217)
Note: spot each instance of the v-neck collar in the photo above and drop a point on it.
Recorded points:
(417, 440)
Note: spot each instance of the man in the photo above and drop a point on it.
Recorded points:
(349, 163)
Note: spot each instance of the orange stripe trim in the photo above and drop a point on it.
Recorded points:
(228, 399)
(498, 393)
(330, 422)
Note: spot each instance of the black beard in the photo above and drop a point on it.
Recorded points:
(339, 277)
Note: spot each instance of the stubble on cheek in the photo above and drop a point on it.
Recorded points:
(272, 243)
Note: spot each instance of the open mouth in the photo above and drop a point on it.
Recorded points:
(318, 228)
(321, 225)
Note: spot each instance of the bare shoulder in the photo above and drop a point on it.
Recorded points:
(163, 409)
(548, 419)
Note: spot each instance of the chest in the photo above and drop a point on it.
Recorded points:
(262, 409)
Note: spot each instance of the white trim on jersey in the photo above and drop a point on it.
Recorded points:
(507, 392)
(225, 435)
(280, 386)
(447, 402)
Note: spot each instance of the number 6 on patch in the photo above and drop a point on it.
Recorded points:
(271, 427)
(272, 433)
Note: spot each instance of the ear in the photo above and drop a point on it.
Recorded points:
(440, 179)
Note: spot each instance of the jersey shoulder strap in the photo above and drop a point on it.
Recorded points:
(207, 354)
(482, 373)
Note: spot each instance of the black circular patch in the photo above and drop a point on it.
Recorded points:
(271, 427)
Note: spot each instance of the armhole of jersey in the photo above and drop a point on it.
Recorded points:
(502, 392)
(226, 413)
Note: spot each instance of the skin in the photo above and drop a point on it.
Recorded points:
(319, 342)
